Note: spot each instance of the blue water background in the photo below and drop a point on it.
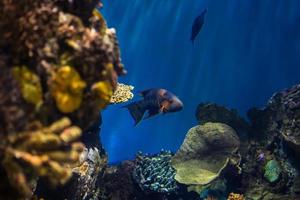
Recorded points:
(247, 50)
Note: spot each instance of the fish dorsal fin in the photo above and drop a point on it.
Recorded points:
(144, 92)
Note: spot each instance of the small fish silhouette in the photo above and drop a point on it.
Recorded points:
(197, 25)
(155, 101)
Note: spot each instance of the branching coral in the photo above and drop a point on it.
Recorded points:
(48, 151)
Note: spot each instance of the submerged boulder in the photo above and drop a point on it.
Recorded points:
(211, 112)
(205, 152)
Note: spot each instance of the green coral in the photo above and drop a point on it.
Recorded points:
(272, 171)
(205, 152)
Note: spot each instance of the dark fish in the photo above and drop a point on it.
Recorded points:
(197, 25)
(155, 101)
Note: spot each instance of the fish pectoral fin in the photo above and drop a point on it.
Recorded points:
(136, 110)
(151, 113)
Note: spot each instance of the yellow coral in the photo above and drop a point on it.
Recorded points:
(30, 85)
(122, 94)
(235, 196)
(103, 91)
(46, 152)
(67, 89)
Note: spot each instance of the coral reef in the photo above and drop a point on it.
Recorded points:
(205, 152)
(154, 173)
(269, 167)
(122, 94)
(209, 162)
(60, 60)
(59, 66)
(274, 175)
(270, 163)
(70, 63)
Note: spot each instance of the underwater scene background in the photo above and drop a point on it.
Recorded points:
(226, 126)
(246, 51)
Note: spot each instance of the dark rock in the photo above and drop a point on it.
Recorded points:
(80, 8)
(210, 112)
(280, 118)
(118, 184)
(91, 136)
(286, 108)
(274, 129)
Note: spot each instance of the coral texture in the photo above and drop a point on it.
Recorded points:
(286, 108)
(60, 60)
(122, 94)
(270, 168)
(205, 152)
(47, 151)
(154, 173)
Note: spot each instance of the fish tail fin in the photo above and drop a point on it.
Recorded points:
(137, 110)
